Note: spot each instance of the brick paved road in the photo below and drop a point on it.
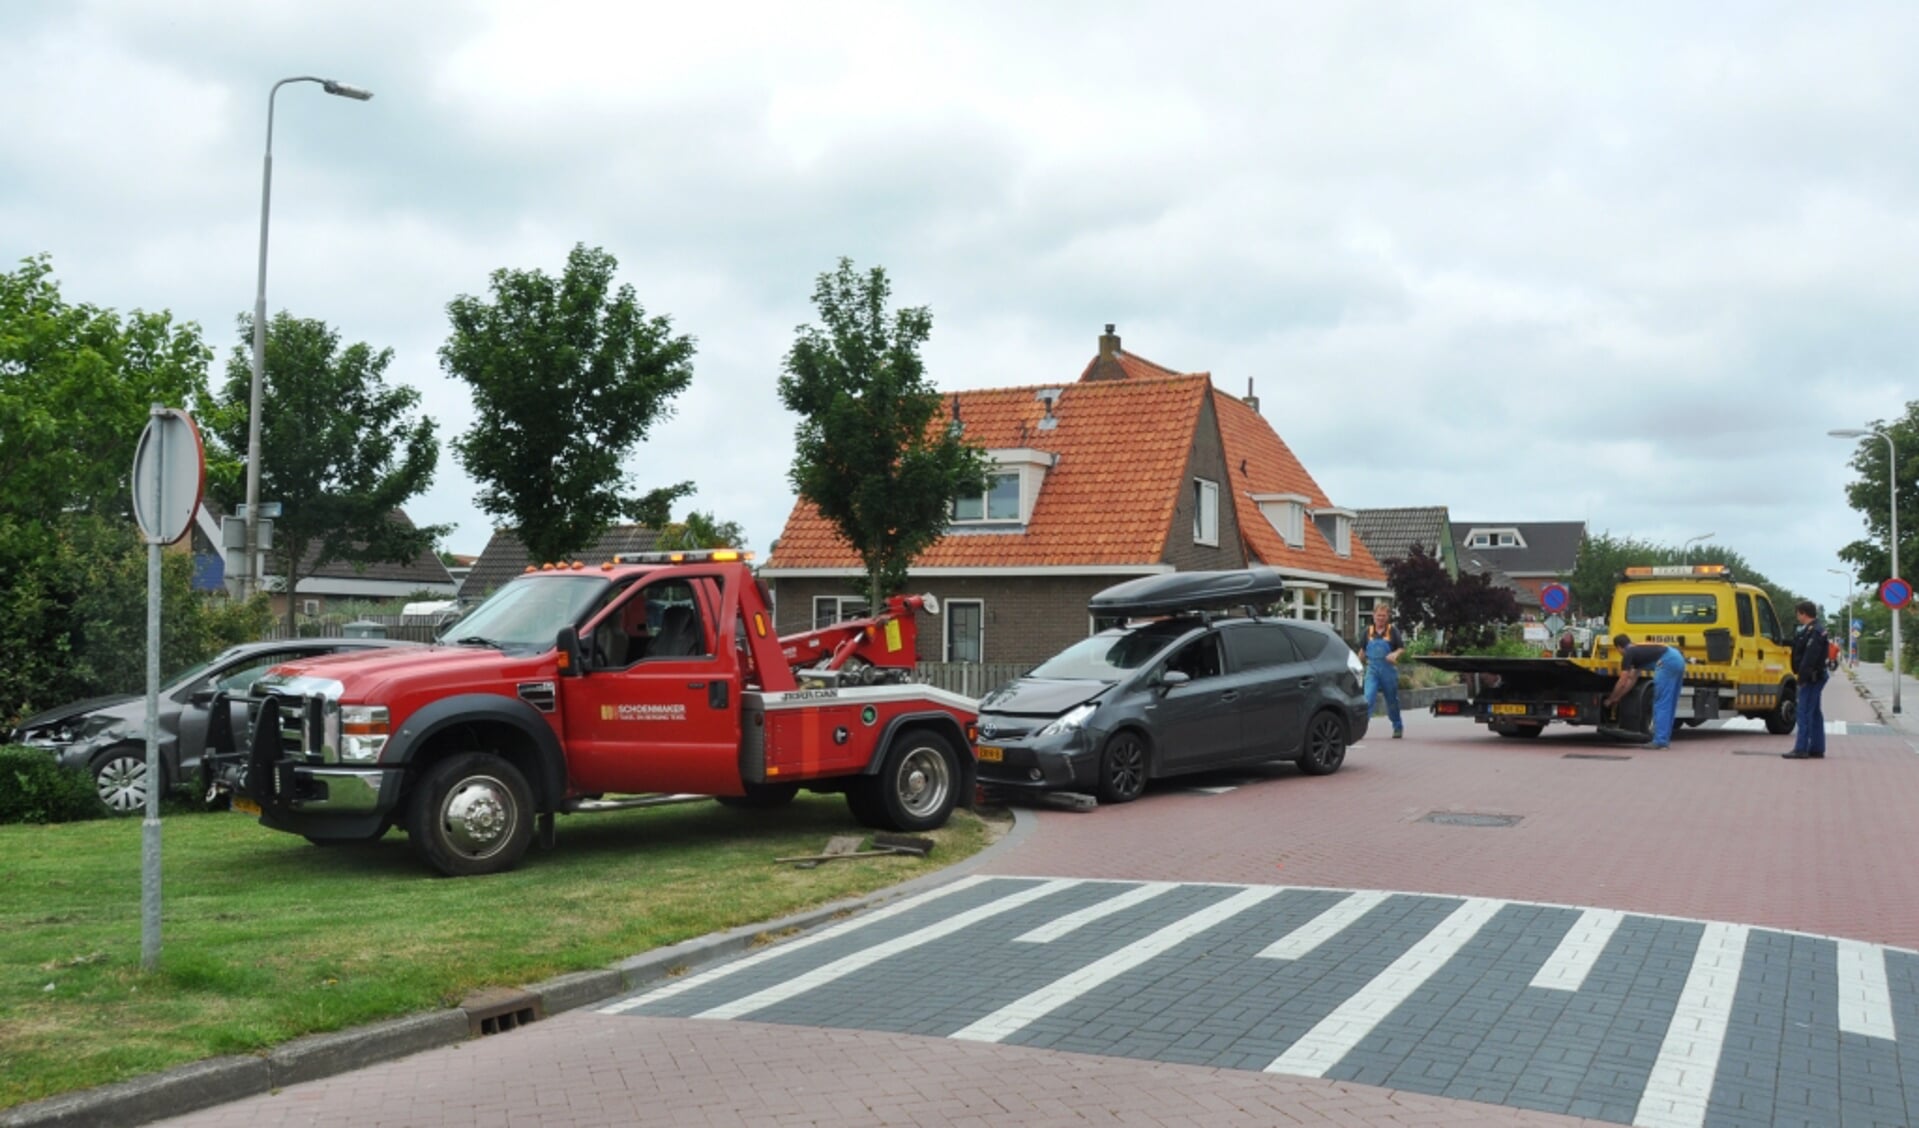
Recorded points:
(1438, 976)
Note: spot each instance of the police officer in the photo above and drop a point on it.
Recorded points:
(1810, 650)
(1668, 668)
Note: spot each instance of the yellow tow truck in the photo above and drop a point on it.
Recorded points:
(1738, 661)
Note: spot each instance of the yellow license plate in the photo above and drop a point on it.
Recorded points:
(989, 754)
(1510, 710)
(245, 806)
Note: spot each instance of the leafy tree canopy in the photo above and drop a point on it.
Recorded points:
(1469, 610)
(76, 385)
(340, 448)
(1872, 497)
(568, 376)
(870, 454)
(702, 530)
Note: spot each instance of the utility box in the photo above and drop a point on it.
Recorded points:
(364, 629)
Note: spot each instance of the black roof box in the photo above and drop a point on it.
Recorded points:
(1174, 592)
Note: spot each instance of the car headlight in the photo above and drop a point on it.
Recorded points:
(363, 732)
(1071, 722)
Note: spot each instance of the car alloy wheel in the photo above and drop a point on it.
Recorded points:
(1325, 746)
(1122, 769)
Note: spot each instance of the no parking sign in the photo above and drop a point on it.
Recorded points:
(1554, 597)
(1895, 593)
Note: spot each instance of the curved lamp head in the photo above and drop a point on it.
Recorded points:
(1851, 433)
(345, 91)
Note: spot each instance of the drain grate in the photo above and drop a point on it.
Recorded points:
(498, 1010)
(1462, 818)
(1594, 756)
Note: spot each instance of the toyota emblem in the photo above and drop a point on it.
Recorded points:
(988, 729)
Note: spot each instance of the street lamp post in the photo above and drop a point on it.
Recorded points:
(1847, 628)
(250, 578)
(1685, 550)
(1892, 480)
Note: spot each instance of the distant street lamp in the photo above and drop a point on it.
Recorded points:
(1847, 629)
(1892, 480)
(1685, 550)
(250, 578)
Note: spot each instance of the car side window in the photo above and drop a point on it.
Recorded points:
(1309, 642)
(1199, 658)
(1259, 645)
(241, 678)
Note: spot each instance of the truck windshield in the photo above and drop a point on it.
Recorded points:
(529, 612)
(1668, 608)
(1111, 655)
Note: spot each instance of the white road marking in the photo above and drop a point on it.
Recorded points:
(825, 934)
(847, 965)
(1212, 790)
(1335, 1035)
(1566, 969)
(1865, 1004)
(1756, 724)
(1038, 1004)
(1323, 927)
(1053, 930)
(1676, 1093)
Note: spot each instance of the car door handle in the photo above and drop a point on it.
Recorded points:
(1305, 683)
(1230, 695)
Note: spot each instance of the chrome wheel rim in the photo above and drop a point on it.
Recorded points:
(924, 780)
(479, 816)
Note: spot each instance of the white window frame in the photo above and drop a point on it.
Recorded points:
(946, 627)
(985, 499)
(310, 608)
(1206, 512)
(839, 603)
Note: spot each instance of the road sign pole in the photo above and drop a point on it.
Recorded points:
(150, 828)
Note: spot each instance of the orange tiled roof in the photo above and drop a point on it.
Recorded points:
(1258, 461)
(1122, 447)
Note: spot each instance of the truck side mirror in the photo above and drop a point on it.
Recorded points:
(568, 644)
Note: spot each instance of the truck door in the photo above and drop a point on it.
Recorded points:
(657, 708)
(1197, 723)
(1775, 646)
(1273, 681)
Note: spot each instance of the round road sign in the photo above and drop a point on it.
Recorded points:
(169, 471)
(1895, 593)
(1554, 597)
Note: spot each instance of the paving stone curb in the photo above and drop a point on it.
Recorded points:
(204, 1084)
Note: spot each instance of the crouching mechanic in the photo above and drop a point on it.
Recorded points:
(1668, 668)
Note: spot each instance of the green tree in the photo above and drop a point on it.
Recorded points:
(76, 383)
(1603, 559)
(1871, 496)
(1469, 609)
(702, 530)
(568, 376)
(341, 449)
(871, 456)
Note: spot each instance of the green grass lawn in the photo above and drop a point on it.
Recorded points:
(267, 937)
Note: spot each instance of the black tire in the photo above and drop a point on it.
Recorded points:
(762, 796)
(1693, 722)
(1124, 765)
(471, 815)
(120, 779)
(1325, 745)
(1781, 720)
(917, 786)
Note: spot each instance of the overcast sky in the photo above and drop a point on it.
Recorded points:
(1620, 263)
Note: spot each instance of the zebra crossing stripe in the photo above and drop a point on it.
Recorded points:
(1680, 1085)
(1017, 1014)
(847, 965)
(1053, 930)
(1865, 1003)
(1566, 969)
(1323, 927)
(1335, 1035)
(820, 937)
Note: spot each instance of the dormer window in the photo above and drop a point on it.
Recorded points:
(1006, 505)
(1336, 525)
(1287, 514)
(1000, 502)
(1495, 538)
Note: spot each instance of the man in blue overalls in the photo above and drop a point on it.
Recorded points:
(1668, 668)
(1383, 646)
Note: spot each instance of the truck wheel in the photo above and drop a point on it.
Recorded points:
(761, 796)
(916, 788)
(471, 815)
(1122, 768)
(1325, 746)
(120, 779)
(1781, 720)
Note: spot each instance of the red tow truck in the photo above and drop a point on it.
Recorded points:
(655, 677)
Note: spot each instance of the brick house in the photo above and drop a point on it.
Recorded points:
(1531, 554)
(1133, 469)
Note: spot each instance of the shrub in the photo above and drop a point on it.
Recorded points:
(36, 789)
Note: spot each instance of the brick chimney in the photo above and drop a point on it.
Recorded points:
(1106, 366)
